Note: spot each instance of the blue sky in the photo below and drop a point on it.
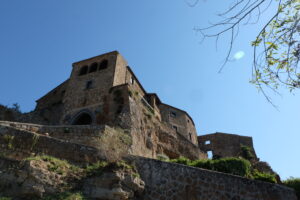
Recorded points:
(39, 40)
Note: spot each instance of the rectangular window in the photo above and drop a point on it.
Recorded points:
(173, 114)
(132, 80)
(175, 128)
(89, 85)
(207, 142)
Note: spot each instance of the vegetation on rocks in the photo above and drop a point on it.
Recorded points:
(56, 165)
(60, 179)
(235, 166)
(293, 183)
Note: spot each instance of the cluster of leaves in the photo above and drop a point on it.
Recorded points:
(277, 49)
(293, 183)
(235, 166)
(276, 46)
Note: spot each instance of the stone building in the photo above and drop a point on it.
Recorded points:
(87, 97)
(104, 91)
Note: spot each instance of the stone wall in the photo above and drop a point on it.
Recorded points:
(225, 145)
(171, 181)
(19, 144)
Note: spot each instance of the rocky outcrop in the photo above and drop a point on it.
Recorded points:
(116, 185)
(46, 176)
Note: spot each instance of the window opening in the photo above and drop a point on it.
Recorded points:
(207, 142)
(83, 70)
(173, 114)
(210, 155)
(175, 128)
(89, 85)
(93, 67)
(132, 80)
(103, 64)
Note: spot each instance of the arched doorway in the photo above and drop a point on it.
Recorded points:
(83, 119)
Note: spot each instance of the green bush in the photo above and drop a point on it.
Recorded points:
(293, 183)
(181, 160)
(235, 166)
(256, 175)
(246, 152)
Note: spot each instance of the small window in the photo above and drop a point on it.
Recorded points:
(89, 85)
(132, 80)
(188, 121)
(83, 70)
(190, 134)
(63, 92)
(173, 114)
(103, 64)
(93, 67)
(175, 128)
(207, 142)
(55, 91)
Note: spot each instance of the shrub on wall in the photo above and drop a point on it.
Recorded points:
(267, 177)
(246, 152)
(235, 166)
(293, 183)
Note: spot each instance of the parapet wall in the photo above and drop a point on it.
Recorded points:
(177, 182)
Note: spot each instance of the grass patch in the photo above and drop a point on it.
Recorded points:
(56, 165)
(96, 168)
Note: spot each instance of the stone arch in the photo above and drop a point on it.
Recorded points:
(83, 118)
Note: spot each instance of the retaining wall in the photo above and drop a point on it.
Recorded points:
(169, 181)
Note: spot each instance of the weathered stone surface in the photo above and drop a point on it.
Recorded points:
(225, 145)
(35, 179)
(117, 185)
(171, 181)
(31, 179)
